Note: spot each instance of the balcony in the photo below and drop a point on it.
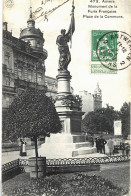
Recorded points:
(42, 52)
(20, 83)
(9, 89)
(25, 84)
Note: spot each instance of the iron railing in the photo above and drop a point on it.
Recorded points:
(11, 165)
(68, 161)
(80, 161)
(86, 161)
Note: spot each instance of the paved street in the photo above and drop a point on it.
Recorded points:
(10, 156)
(13, 155)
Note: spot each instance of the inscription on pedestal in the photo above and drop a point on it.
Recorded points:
(75, 126)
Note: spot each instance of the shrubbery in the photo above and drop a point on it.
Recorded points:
(66, 185)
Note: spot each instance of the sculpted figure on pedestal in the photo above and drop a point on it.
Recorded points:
(62, 42)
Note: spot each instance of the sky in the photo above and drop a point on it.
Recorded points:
(115, 87)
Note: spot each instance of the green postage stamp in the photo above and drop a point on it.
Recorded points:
(104, 51)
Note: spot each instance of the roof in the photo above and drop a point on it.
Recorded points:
(31, 32)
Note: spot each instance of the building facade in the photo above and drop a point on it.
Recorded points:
(23, 61)
(91, 102)
(23, 64)
(51, 84)
(87, 101)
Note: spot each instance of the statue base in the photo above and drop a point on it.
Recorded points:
(70, 142)
(70, 120)
(67, 105)
(62, 145)
(63, 79)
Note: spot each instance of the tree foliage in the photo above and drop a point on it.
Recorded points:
(125, 118)
(31, 114)
(101, 120)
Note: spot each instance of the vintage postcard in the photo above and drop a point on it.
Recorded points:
(66, 91)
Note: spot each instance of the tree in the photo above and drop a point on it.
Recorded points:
(100, 121)
(32, 114)
(125, 118)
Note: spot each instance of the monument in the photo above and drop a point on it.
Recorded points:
(70, 142)
(67, 105)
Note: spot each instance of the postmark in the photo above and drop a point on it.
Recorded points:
(113, 50)
(9, 3)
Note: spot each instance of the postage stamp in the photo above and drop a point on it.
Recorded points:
(103, 49)
(107, 46)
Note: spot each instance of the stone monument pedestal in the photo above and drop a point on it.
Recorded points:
(63, 145)
(67, 105)
(70, 142)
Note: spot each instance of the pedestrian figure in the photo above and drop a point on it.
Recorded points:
(20, 147)
(97, 141)
(92, 141)
(127, 148)
(110, 145)
(23, 148)
(86, 136)
(102, 144)
(122, 146)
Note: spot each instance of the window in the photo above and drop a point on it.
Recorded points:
(7, 57)
(38, 44)
(7, 81)
(20, 73)
(30, 75)
(7, 102)
(10, 100)
(39, 78)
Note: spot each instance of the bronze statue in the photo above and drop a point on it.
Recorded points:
(62, 42)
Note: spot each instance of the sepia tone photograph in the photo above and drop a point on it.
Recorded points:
(66, 91)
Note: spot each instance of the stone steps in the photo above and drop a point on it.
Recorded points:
(66, 146)
(91, 155)
(83, 151)
(77, 145)
(82, 144)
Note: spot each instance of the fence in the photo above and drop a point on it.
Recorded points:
(85, 161)
(11, 169)
(17, 166)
